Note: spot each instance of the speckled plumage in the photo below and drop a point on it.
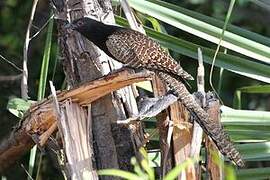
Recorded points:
(136, 50)
(214, 130)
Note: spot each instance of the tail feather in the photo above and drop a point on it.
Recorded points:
(211, 128)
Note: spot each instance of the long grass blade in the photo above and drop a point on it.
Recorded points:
(232, 63)
(42, 86)
(219, 44)
(202, 29)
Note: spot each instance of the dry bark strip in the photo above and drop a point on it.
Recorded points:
(83, 61)
(214, 167)
(163, 122)
(40, 116)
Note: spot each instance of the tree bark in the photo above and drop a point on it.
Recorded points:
(214, 158)
(39, 121)
(82, 62)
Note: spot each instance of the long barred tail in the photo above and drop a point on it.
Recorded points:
(212, 129)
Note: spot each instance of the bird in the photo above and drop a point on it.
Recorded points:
(136, 50)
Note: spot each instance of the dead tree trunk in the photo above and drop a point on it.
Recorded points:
(82, 61)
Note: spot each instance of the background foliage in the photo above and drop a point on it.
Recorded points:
(252, 15)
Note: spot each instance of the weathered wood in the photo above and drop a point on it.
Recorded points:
(214, 167)
(14, 146)
(197, 134)
(75, 133)
(82, 62)
(181, 138)
(40, 116)
(163, 122)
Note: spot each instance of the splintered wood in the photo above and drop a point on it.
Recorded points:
(214, 160)
(182, 139)
(39, 122)
(75, 128)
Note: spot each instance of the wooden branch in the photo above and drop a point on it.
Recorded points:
(10, 78)
(182, 138)
(163, 122)
(75, 130)
(40, 116)
(197, 134)
(214, 165)
(187, 143)
(24, 83)
(83, 61)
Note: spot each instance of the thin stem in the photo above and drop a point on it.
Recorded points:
(221, 71)
(197, 130)
(10, 78)
(219, 44)
(43, 26)
(24, 85)
(130, 17)
(11, 63)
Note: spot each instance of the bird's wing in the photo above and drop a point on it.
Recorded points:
(135, 49)
(121, 51)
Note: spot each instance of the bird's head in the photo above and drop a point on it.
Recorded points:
(79, 24)
(89, 28)
(94, 31)
(85, 25)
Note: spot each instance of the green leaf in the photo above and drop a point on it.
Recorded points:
(255, 151)
(18, 106)
(218, 23)
(148, 169)
(137, 168)
(145, 164)
(259, 151)
(232, 63)
(164, 12)
(220, 41)
(249, 89)
(230, 172)
(237, 100)
(119, 173)
(249, 174)
(45, 62)
(255, 89)
(248, 135)
(178, 169)
(42, 87)
(221, 71)
(154, 158)
(246, 125)
(231, 116)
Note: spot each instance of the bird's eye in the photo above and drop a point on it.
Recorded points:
(79, 23)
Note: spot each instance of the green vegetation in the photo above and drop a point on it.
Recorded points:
(181, 27)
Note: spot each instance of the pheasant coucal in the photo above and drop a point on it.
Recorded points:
(136, 50)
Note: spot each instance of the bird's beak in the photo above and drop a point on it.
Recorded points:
(70, 26)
